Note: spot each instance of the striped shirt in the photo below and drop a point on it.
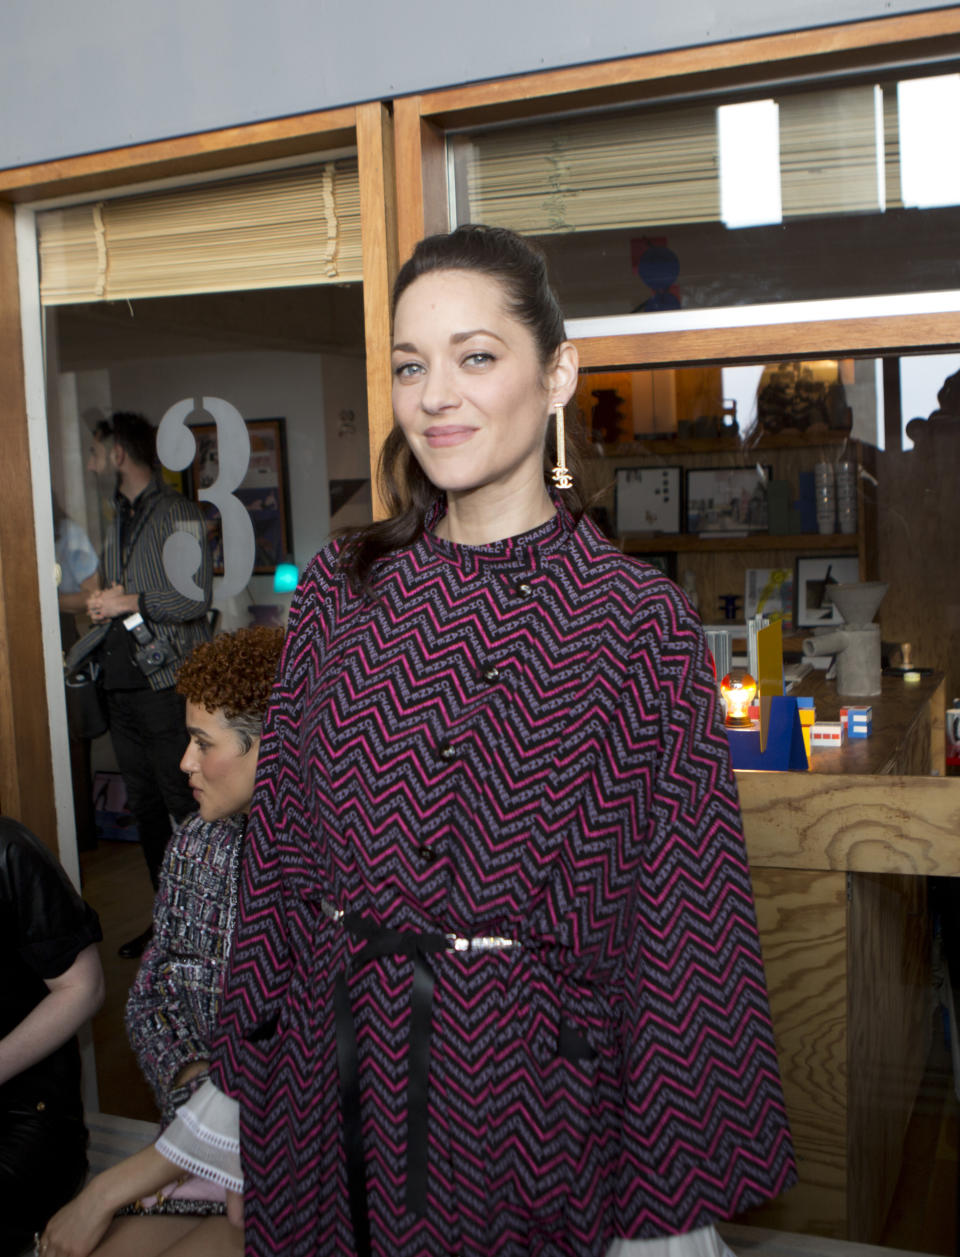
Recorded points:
(133, 558)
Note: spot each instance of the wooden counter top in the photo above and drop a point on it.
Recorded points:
(900, 743)
(880, 805)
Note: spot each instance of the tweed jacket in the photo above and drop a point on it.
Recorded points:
(496, 986)
(178, 620)
(171, 1012)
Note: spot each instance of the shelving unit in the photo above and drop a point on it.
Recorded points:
(750, 443)
(700, 543)
(719, 562)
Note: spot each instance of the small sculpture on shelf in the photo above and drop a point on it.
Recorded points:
(606, 419)
(729, 605)
(792, 398)
(828, 735)
(728, 418)
(857, 722)
(856, 644)
(945, 417)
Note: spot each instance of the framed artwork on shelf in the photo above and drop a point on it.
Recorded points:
(648, 500)
(812, 578)
(727, 499)
(263, 491)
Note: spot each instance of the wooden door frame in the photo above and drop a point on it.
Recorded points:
(26, 764)
(26, 739)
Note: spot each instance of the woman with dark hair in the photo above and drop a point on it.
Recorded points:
(52, 984)
(496, 987)
(173, 1004)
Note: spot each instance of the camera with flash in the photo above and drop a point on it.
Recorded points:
(150, 654)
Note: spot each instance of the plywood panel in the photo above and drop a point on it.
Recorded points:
(26, 770)
(890, 1006)
(905, 825)
(824, 338)
(802, 920)
(799, 52)
(421, 176)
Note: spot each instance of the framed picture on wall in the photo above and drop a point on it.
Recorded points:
(263, 490)
(812, 579)
(648, 500)
(727, 499)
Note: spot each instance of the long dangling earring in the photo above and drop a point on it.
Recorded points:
(561, 474)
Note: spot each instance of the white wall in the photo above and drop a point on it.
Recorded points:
(78, 77)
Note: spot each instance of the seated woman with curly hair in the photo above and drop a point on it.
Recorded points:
(145, 1206)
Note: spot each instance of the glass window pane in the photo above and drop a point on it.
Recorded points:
(803, 195)
(776, 422)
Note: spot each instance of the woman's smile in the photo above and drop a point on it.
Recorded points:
(448, 434)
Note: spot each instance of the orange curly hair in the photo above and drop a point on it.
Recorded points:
(234, 673)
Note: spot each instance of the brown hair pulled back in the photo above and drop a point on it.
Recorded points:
(521, 270)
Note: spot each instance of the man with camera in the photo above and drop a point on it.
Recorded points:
(143, 629)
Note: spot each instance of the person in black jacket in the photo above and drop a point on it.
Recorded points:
(52, 983)
(139, 661)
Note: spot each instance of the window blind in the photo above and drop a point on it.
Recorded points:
(828, 152)
(592, 174)
(281, 230)
(649, 169)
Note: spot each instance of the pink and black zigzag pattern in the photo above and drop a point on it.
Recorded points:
(518, 740)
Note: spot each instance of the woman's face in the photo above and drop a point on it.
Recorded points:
(469, 390)
(220, 774)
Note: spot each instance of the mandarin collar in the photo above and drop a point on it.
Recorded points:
(525, 550)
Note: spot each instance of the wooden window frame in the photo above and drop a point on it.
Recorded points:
(929, 807)
(422, 121)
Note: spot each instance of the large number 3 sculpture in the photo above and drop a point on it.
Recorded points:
(176, 449)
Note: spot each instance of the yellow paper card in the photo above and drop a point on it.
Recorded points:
(770, 668)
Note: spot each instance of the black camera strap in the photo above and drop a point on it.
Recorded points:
(139, 523)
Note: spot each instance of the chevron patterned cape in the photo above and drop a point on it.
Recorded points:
(518, 743)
